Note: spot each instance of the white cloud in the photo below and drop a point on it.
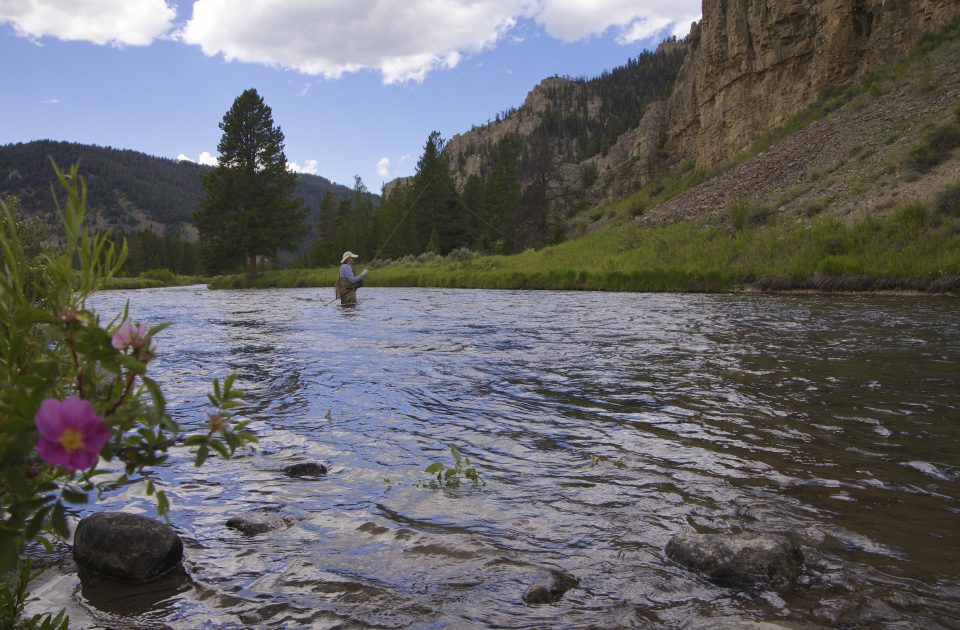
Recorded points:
(51, 101)
(383, 167)
(407, 40)
(310, 168)
(574, 20)
(206, 158)
(118, 22)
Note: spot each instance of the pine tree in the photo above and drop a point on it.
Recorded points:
(437, 209)
(249, 209)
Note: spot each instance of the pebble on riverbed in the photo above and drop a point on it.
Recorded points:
(260, 521)
(305, 469)
(740, 560)
(126, 547)
(550, 587)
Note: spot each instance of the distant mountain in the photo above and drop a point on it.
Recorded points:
(127, 190)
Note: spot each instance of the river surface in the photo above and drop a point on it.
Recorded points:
(602, 424)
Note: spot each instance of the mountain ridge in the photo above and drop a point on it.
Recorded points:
(749, 67)
(128, 190)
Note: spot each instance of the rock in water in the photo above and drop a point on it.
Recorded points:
(126, 547)
(742, 560)
(259, 521)
(550, 587)
(305, 469)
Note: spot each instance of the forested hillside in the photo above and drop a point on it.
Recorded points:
(150, 201)
(515, 182)
(128, 190)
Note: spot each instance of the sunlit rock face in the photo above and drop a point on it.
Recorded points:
(753, 64)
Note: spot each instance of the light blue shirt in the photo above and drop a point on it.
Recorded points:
(346, 272)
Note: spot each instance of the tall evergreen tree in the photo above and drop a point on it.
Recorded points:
(323, 249)
(249, 209)
(502, 196)
(436, 216)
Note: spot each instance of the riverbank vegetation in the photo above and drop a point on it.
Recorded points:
(914, 248)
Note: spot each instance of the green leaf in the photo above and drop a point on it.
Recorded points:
(155, 394)
(228, 383)
(220, 448)
(36, 522)
(163, 505)
(16, 482)
(8, 554)
(58, 521)
(434, 468)
(202, 453)
(75, 497)
(153, 331)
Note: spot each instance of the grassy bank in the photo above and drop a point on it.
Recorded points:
(916, 248)
(142, 282)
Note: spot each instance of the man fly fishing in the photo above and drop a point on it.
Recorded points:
(348, 282)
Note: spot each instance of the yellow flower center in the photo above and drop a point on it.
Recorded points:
(71, 440)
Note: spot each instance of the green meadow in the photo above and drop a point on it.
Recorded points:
(915, 248)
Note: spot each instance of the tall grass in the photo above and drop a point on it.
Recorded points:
(915, 248)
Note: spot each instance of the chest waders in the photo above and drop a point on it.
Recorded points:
(346, 291)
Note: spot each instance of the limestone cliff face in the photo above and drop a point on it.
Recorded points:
(753, 64)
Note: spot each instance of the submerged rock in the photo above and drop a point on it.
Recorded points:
(305, 469)
(741, 560)
(260, 521)
(550, 587)
(126, 547)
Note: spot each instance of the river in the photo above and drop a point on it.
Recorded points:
(601, 424)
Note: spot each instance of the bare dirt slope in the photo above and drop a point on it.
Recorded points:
(851, 163)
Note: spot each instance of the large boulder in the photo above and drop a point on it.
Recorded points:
(126, 547)
(549, 587)
(740, 560)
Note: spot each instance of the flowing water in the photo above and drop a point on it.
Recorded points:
(602, 425)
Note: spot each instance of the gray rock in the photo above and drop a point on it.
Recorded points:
(260, 521)
(126, 547)
(305, 469)
(550, 587)
(740, 560)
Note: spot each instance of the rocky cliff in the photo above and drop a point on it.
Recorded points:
(753, 64)
(750, 66)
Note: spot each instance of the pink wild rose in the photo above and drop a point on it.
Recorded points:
(129, 335)
(71, 433)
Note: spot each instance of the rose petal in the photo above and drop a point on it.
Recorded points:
(80, 460)
(48, 421)
(52, 452)
(76, 413)
(96, 436)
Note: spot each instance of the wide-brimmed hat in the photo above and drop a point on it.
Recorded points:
(347, 255)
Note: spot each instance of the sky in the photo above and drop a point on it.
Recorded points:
(356, 86)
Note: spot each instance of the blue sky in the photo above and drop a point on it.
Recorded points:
(355, 85)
